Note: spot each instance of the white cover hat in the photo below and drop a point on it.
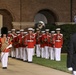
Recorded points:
(25, 32)
(13, 29)
(9, 31)
(58, 29)
(30, 29)
(33, 29)
(37, 29)
(52, 32)
(18, 32)
(47, 30)
(21, 30)
(43, 31)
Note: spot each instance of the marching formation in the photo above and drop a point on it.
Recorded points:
(41, 43)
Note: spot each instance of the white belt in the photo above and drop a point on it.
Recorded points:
(29, 40)
(57, 40)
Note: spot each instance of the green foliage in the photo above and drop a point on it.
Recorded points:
(66, 30)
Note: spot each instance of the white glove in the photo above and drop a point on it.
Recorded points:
(9, 46)
(70, 68)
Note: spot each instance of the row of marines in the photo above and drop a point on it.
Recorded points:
(40, 43)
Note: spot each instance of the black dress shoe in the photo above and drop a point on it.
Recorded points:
(4, 68)
(30, 62)
(17, 58)
(24, 60)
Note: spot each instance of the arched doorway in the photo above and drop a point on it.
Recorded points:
(45, 15)
(40, 17)
(6, 18)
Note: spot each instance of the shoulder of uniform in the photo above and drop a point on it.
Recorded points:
(61, 34)
(26, 34)
(43, 34)
(55, 34)
(19, 34)
(35, 33)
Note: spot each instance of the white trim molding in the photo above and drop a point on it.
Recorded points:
(19, 25)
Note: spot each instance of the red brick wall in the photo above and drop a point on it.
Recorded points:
(61, 8)
(30, 7)
(74, 8)
(13, 6)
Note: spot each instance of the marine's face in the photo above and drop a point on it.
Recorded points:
(30, 31)
(52, 34)
(13, 32)
(38, 31)
(21, 33)
(4, 35)
(58, 32)
(47, 32)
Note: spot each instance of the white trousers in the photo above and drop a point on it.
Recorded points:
(13, 52)
(4, 59)
(38, 50)
(17, 53)
(24, 54)
(51, 53)
(46, 49)
(21, 52)
(58, 54)
(34, 51)
(9, 53)
(30, 54)
(42, 53)
(74, 72)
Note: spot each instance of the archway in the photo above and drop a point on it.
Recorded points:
(7, 18)
(40, 17)
(45, 15)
